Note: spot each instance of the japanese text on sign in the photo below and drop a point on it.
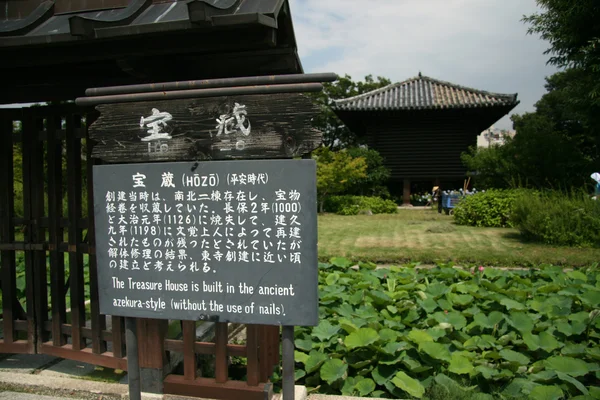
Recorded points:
(215, 241)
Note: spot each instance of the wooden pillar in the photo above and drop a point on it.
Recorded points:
(406, 193)
(153, 357)
(435, 191)
(439, 196)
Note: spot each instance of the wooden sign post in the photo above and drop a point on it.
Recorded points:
(178, 237)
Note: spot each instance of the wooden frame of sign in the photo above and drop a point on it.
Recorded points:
(178, 237)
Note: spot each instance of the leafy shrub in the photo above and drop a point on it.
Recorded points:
(376, 174)
(335, 171)
(559, 219)
(353, 205)
(407, 332)
(491, 208)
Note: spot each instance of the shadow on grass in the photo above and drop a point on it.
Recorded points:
(516, 237)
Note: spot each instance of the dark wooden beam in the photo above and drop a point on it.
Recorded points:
(279, 127)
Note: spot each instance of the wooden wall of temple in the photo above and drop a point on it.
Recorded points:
(425, 145)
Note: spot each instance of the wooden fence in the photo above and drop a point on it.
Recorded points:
(48, 269)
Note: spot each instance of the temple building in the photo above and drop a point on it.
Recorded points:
(421, 126)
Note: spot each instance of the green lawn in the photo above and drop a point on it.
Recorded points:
(427, 237)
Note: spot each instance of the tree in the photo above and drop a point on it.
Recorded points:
(572, 29)
(335, 172)
(494, 166)
(553, 147)
(376, 174)
(335, 133)
(574, 116)
(558, 145)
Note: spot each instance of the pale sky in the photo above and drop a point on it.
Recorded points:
(481, 44)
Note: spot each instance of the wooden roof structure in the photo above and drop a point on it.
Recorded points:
(423, 93)
(422, 125)
(55, 49)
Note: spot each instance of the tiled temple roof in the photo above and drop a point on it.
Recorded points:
(424, 93)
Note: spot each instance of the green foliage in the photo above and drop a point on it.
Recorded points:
(335, 133)
(557, 146)
(448, 333)
(571, 27)
(545, 155)
(373, 184)
(541, 155)
(491, 208)
(353, 205)
(21, 279)
(335, 172)
(494, 165)
(557, 218)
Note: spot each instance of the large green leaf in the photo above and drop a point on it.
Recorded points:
(548, 342)
(518, 387)
(532, 341)
(299, 374)
(437, 289)
(514, 357)
(303, 344)
(357, 298)
(383, 373)
(325, 331)
(380, 298)
(488, 321)
(347, 325)
(361, 338)
(512, 304)
(543, 376)
(360, 358)
(367, 265)
(388, 335)
(364, 387)
(546, 393)
(435, 350)
(564, 327)
(567, 365)
(593, 352)
(393, 347)
(577, 275)
(460, 365)
(591, 297)
(457, 320)
(454, 318)
(332, 370)
(572, 381)
(487, 372)
(348, 386)
(577, 350)
(314, 361)
(332, 278)
(460, 299)
(408, 384)
(428, 304)
(494, 318)
(300, 357)
(419, 337)
(581, 316)
(341, 262)
(520, 321)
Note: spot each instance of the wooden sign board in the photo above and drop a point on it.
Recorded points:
(236, 127)
(227, 241)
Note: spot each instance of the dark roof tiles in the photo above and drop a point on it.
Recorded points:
(422, 93)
